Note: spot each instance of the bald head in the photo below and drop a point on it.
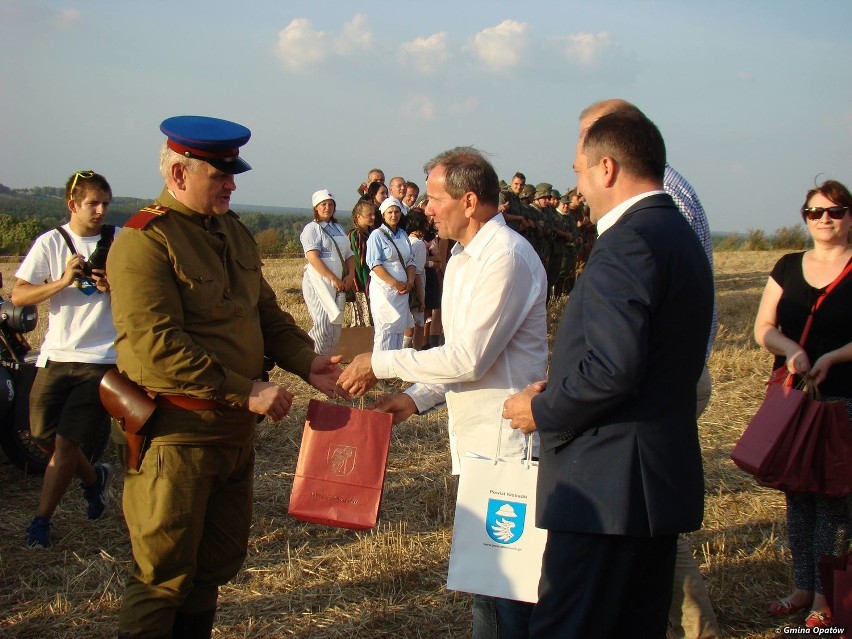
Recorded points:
(605, 107)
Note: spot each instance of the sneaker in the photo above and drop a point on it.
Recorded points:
(38, 533)
(98, 493)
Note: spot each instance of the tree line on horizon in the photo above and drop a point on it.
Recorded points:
(27, 213)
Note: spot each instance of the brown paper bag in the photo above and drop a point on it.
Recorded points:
(354, 340)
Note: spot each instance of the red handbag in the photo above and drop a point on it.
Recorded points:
(795, 442)
(798, 443)
(836, 576)
(341, 469)
(769, 435)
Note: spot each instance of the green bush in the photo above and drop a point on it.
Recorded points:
(756, 240)
(790, 237)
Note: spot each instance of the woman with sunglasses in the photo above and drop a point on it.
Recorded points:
(816, 524)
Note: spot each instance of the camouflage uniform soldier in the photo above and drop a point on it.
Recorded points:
(510, 202)
(544, 220)
(588, 231)
(529, 228)
(570, 241)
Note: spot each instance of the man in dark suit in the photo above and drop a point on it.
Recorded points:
(620, 473)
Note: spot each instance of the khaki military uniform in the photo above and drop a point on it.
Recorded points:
(194, 316)
(566, 273)
(588, 235)
(545, 235)
(530, 231)
(515, 208)
(557, 248)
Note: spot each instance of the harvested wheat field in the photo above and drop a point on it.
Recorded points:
(309, 581)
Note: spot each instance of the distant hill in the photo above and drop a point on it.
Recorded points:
(26, 213)
(49, 201)
(272, 210)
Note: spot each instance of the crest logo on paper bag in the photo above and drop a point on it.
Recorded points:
(504, 521)
(341, 459)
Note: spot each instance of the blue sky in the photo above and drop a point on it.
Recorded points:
(753, 98)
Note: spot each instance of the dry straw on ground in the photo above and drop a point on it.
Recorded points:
(308, 581)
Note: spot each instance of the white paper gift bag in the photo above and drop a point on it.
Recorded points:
(496, 547)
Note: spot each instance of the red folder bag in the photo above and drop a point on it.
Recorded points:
(836, 470)
(341, 467)
(793, 467)
(836, 576)
(768, 435)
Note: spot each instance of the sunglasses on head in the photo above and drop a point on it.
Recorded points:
(78, 175)
(814, 213)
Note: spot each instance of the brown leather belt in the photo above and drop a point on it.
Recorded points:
(186, 402)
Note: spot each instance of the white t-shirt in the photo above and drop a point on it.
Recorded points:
(80, 327)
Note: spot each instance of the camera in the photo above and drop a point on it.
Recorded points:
(14, 321)
(96, 260)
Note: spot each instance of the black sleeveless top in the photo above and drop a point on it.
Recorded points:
(832, 325)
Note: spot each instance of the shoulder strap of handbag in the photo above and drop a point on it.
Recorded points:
(336, 248)
(105, 241)
(820, 300)
(396, 248)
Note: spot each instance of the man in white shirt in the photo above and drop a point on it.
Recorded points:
(66, 265)
(397, 188)
(495, 326)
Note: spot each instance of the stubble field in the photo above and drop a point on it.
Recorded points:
(311, 582)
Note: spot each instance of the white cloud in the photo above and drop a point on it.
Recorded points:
(299, 46)
(586, 49)
(68, 17)
(419, 107)
(745, 76)
(426, 55)
(355, 36)
(501, 47)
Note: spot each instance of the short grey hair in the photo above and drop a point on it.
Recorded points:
(168, 157)
(467, 170)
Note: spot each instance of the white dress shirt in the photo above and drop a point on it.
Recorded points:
(612, 216)
(495, 327)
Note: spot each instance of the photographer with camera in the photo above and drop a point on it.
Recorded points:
(66, 265)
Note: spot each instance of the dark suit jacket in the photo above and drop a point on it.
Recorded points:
(619, 440)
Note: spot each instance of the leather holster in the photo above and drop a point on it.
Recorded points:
(131, 406)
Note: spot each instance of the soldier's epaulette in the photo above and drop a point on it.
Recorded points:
(145, 216)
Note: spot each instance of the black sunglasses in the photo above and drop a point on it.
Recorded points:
(815, 212)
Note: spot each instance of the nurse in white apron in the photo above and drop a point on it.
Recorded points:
(329, 273)
(391, 277)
